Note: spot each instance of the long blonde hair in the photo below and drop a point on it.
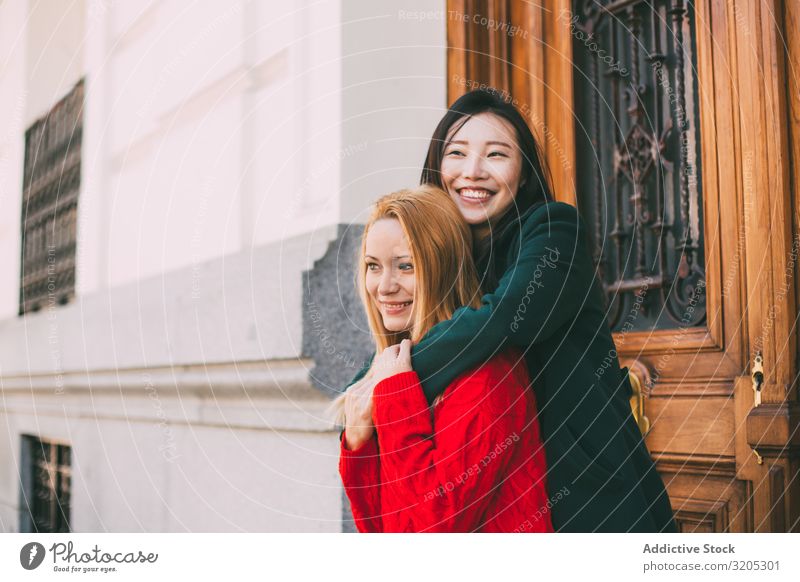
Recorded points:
(440, 241)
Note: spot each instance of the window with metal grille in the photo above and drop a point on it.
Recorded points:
(46, 478)
(638, 158)
(52, 179)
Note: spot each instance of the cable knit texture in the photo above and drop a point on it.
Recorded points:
(474, 463)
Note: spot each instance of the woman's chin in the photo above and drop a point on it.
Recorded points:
(396, 325)
(474, 217)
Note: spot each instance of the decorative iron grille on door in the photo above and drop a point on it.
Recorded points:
(52, 178)
(638, 161)
(46, 486)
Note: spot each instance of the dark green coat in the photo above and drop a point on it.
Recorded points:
(549, 304)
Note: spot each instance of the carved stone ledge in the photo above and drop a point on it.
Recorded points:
(335, 331)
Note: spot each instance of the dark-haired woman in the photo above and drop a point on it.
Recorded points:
(541, 296)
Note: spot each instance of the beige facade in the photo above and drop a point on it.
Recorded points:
(223, 145)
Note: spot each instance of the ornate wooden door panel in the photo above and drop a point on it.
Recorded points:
(661, 117)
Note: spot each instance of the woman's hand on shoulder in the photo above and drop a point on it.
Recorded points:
(394, 360)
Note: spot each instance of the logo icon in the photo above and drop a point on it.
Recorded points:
(31, 555)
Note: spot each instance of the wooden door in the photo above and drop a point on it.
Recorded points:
(669, 124)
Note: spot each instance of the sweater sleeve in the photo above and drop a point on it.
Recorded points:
(444, 479)
(360, 472)
(543, 289)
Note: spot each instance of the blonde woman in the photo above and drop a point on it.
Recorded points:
(473, 460)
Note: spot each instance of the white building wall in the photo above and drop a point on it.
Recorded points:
(206, 448)
(222, 145)
(52, 33)
(13, 102)
(393, 95)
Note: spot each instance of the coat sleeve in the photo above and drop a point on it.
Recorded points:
(360, 472)
(444, 480)
(543, 289)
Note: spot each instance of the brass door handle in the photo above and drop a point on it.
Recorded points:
(758, 378)
(637, 403)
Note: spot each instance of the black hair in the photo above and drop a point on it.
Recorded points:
(534, 178)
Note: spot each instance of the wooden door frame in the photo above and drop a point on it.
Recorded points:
(749, 188)
(764, 127)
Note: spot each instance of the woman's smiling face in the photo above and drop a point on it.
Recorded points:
(390, 278)
(481, 169)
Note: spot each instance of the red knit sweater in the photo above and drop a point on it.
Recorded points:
(476, 463)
